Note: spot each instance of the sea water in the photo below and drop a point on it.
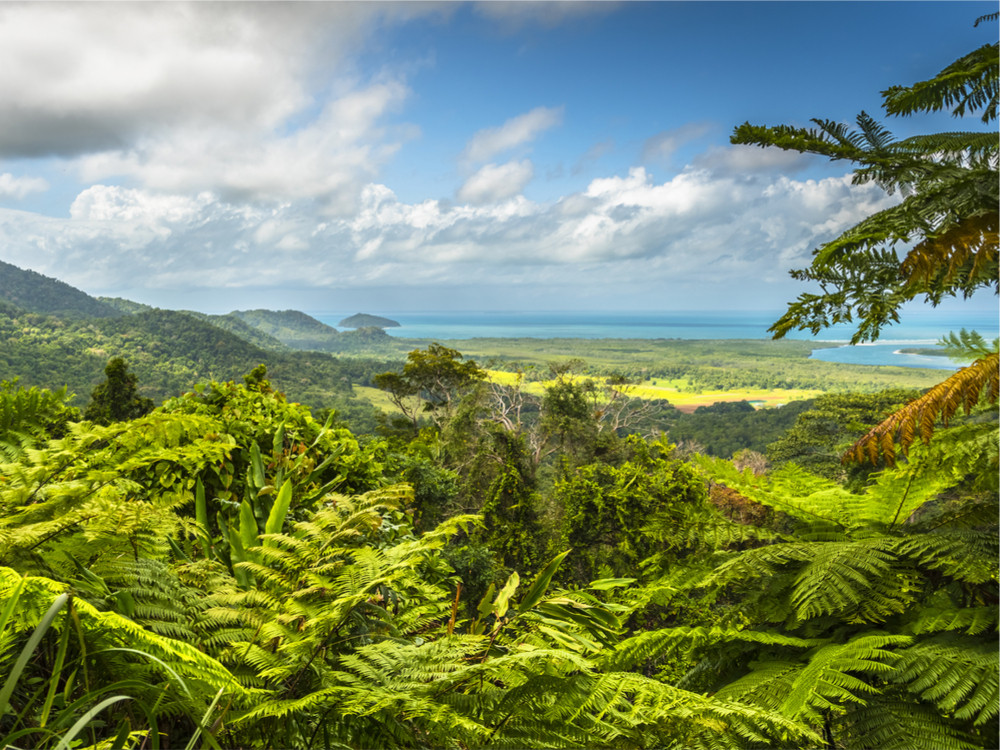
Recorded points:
(920, 328)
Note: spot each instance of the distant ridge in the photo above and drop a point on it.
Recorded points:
(364, 320)
(33, 292)
(292, 328)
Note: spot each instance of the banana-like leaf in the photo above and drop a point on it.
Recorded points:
(276, 518)
(537, 589)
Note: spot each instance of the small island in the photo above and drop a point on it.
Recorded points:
(363, 320)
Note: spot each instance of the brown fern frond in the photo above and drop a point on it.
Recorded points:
(962, 253)
(963, 390)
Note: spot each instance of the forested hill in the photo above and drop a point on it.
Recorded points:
(300, 331)
(242, 329)
(36, 293)
(126, 306)
(169, 351)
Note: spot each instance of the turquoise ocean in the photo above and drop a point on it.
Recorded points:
(920, 328)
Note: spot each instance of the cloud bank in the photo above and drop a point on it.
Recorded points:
(220, 150)
(696, 227)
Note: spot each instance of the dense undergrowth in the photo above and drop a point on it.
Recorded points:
(226, 571)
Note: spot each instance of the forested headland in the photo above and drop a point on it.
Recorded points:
(209, 538)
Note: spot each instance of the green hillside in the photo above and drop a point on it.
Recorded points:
(297, 330)
(242, 329)
(36, 293)
(169, 351)
(290, 327)
(126, 306)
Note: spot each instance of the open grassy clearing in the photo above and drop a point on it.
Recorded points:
(688, 401)
(686, 373)
(377, 398)
(693, 365)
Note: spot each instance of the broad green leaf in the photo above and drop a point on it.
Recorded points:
(278, 444)
(486, 603)
(605, 584)
(276, 518)
(248, 526)
(537, 589)
(256, 465)
(201, 515)
(503, 598)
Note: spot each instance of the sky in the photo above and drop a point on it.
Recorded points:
(376, 156)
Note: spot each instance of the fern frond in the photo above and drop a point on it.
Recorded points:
(959, 677)
(889, 723)
(826, 681)
(968, 556)
(917, 419)
(856, 580)
(969, 620)
(962, 252)
(967, 85)
(658, 644)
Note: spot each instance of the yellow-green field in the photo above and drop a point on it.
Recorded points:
(760, 398)
(672, 391)
(377, 398)
(663, 389)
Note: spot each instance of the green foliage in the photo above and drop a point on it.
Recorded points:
(607, 508)
(895, 586)
(821, 434)
(510, 517)
(168, 351)
(35, 293)
(431, 383)
(28, 415)
(967, 345)
(728, 427)
(948, 212)
(117, 398)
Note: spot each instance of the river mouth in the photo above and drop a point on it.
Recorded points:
(886, 355)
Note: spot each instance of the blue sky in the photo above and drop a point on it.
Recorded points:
(388, 157)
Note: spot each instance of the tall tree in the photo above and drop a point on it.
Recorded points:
(432, 381)
(117, 398)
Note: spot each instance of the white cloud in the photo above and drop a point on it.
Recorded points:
(696, 228)
(743, 159)
(486, 144)
(330, 159)
(20, 187)
(254, 101)
(93, 77)
(493, 183)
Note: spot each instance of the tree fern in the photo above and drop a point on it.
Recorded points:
(958, 677)
(891, 722)
(962, 390)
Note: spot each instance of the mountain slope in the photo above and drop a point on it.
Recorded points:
(297, 330)
(36, 293)
(170, 352)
